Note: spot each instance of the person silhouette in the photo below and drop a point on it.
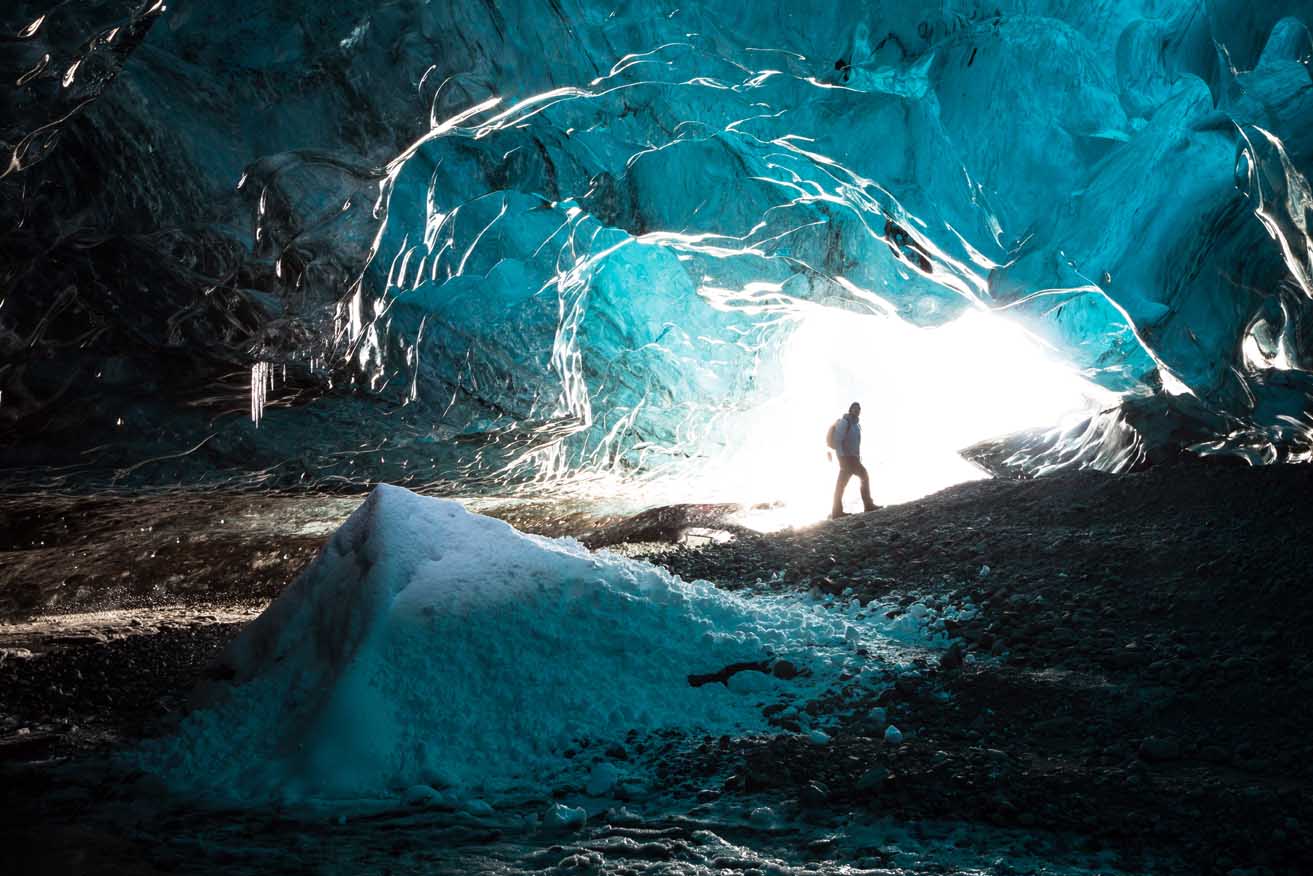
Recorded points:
(847, 445)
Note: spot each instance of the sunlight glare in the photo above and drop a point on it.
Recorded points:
(925, 395)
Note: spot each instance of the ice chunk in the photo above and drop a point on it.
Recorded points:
(422, 795)
(749, 681)
(477, 807)
(562, 817)
(428, 646)
(602, 779)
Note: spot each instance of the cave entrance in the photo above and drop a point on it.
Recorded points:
(926, 393)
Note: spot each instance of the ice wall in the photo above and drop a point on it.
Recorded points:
(507, 241)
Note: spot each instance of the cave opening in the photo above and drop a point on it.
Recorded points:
(926, 394)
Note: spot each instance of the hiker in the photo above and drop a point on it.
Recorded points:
(845, 439)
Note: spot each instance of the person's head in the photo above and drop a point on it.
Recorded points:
(854, 410)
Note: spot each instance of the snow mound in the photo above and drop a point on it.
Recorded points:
(429, 646)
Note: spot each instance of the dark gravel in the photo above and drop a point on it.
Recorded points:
(1139, 675)
(1141, 671)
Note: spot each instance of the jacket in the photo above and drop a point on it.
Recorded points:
(847, 437)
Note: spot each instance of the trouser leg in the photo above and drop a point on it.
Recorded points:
(866, 487)
(845, 472)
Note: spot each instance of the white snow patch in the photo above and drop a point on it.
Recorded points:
(431, 647)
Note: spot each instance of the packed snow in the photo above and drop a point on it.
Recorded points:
(434, 655)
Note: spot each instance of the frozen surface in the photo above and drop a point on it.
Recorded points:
(437, 656)
(552, 241)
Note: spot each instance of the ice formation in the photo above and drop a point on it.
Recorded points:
(430, 653)
(507, 241)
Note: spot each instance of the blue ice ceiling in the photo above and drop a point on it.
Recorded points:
(514, 239)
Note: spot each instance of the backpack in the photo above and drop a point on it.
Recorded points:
(829, 436)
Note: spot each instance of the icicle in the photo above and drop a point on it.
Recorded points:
(262, 380)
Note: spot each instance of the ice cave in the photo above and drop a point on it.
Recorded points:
(414, 451)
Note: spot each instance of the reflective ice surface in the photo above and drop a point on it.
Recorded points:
(507, 244)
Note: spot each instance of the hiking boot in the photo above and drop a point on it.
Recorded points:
(835, 515)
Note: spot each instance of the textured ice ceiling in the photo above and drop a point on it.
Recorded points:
(491, 241)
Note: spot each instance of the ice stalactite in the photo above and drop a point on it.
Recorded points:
(262, 380)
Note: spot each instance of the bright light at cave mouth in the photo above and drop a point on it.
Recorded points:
(926, 393)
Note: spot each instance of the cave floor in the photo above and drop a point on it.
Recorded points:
(1133, 697)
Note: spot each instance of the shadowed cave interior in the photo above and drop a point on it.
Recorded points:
(412, 418)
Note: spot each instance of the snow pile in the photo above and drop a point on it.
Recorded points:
(428, 646)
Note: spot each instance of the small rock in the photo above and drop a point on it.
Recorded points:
(908, 686)
(892, 735)
(1126, 658)
(818, 737)
(873, 779)
(814, 794)
(762, 816)
(784, 670)
(952, 658)
(1159, 750)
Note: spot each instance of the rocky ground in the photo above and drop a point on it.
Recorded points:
(1138, 677)
(1141, 670)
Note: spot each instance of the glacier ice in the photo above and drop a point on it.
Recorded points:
(434, 654)
(500, 242)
